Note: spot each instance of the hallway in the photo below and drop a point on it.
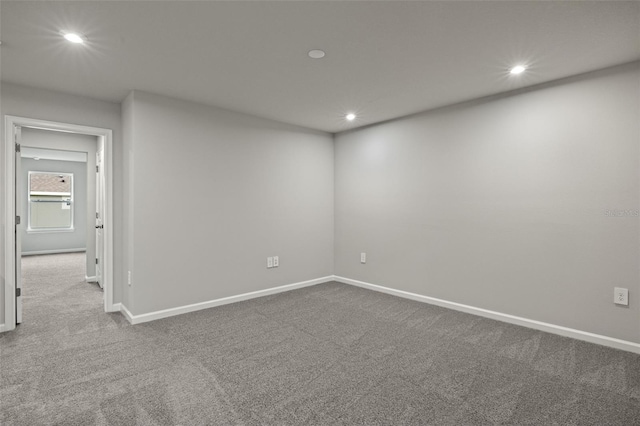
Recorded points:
(57, 300)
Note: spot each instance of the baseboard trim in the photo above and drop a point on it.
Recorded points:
(511, 319)
(56, 251)
(2, 328)
(91, 279)
(116, 307)
(151, 316)
(126, 313)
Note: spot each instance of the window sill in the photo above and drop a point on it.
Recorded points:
(49, 230)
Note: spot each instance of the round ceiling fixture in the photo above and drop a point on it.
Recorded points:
(73, 37)
(351, 116)
(316, 54)
(518, 69)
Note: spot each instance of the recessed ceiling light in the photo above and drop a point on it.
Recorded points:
(351, 116)
(518, 69)
(73, 37)
(316, 54)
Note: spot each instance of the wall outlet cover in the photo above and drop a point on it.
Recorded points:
(621, 296)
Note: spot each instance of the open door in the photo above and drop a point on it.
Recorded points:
(20, 218)
(99, 213)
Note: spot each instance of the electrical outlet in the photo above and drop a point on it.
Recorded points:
(129, 277)
(269, 262)
(276, 261)
(363, 257)
(621, 296)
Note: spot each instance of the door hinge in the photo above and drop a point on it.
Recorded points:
(17, 220)
(17, 147)
(96, 261)
(97, 169)
(18, 292)
(97, 215)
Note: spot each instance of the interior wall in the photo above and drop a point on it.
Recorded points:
(60, 241)
(525, 204)
(213, 194)
(48, 105)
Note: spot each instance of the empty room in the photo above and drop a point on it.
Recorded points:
(320, 212)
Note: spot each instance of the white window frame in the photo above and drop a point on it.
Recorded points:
(71, 228)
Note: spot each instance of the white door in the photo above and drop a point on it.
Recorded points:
(99, 213)
(19, 189)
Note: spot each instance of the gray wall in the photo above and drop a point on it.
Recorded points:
(55, 240)
(502, 203)
(499, 203)
(54, 106)
(239, 189)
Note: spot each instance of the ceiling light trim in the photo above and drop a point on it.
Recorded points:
(316, 54)
(518, 69)
(73, 37)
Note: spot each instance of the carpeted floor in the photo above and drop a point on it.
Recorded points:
(327, 354)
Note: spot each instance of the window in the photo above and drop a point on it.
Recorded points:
(50, 201)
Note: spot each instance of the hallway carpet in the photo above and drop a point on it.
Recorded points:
(327, 354)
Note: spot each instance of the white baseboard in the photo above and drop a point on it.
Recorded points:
(56, 251)
(116, 307)
(511, 319)
(2, 328)
(151, 316)
(126, 313)
(91, 279)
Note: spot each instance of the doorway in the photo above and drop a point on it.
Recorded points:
(100, 246)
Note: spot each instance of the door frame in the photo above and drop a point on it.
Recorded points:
(105, 136)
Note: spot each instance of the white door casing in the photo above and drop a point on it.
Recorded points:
(12, 239)
(19, 224)
(99, 215)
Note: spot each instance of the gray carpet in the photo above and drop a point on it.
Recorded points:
(327, 354)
